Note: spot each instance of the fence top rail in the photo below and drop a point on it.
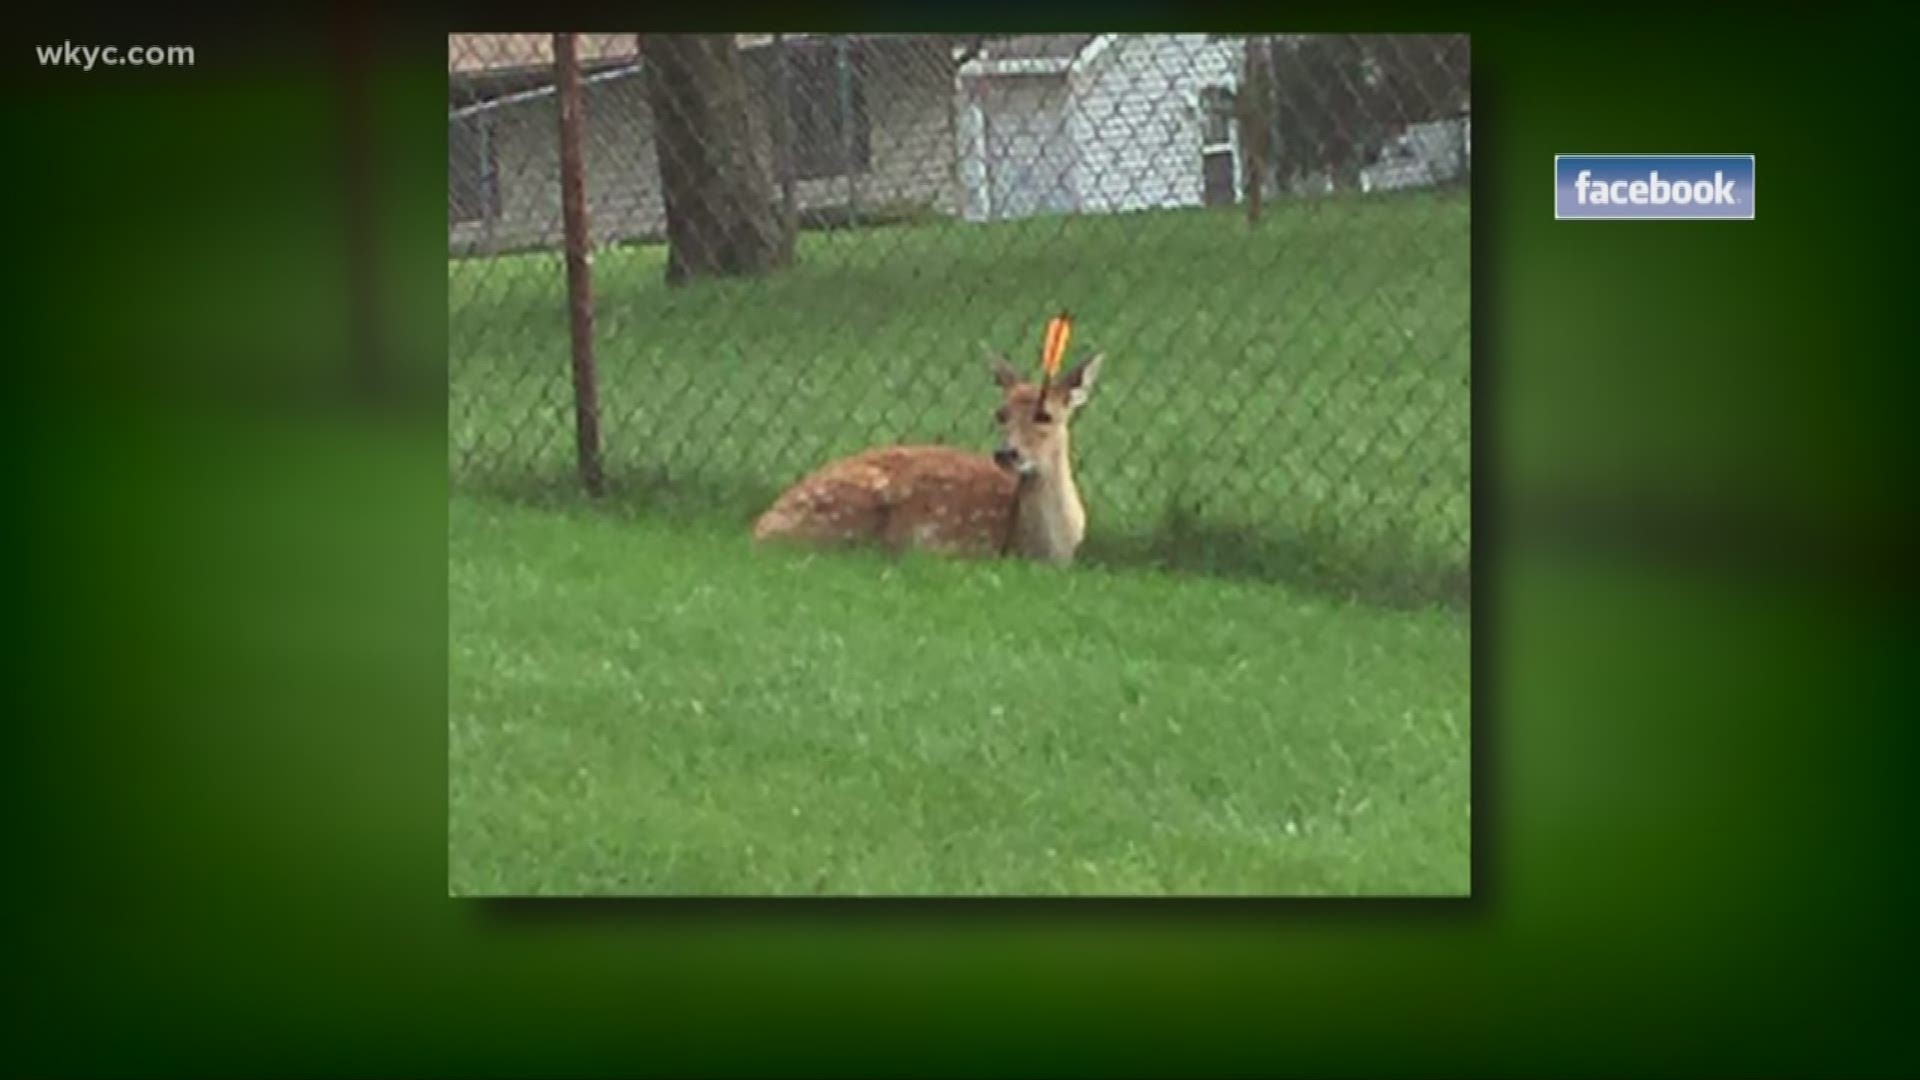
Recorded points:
(544, 90)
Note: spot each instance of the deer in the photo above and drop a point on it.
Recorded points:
(1020, 501)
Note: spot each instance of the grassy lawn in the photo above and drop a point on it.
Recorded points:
(643, 703)
(1291, 399)
(647, 705)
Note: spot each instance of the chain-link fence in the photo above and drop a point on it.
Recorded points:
(803, 245)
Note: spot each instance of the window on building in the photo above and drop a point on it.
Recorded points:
(1216, 116)
(473, 182)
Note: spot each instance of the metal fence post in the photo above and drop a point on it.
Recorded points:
(489, 186)
(1255, 121)
(573, 206)
(782, 114)
(844, 73)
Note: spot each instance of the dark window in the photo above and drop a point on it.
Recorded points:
(1216, 119)
(827, 108)
(1216, 177)
(473, 182)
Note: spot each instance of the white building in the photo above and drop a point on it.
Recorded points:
(1426, 153)
(1068, 123)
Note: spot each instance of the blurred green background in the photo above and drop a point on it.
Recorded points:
(224, 779)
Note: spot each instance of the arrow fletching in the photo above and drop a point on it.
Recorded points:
(1059, 329)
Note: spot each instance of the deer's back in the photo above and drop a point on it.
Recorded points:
(932, 497)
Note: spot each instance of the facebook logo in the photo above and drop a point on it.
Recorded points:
(1653, 187)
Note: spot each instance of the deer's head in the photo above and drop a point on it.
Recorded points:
(1033, 423)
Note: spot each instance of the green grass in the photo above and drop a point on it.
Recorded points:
(1290, 401)
(649, 705)
(643, 703)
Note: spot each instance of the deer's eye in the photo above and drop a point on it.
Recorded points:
(1000, 415)
(1043, 417)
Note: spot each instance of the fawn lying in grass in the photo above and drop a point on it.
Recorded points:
(1021, 501)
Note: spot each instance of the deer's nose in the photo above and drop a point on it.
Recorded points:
(1007, 458)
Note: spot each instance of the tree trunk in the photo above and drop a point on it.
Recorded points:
(1256, 123)
(722, 218)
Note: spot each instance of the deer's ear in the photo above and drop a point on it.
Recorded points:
(1078, 382)
(1004, 374)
